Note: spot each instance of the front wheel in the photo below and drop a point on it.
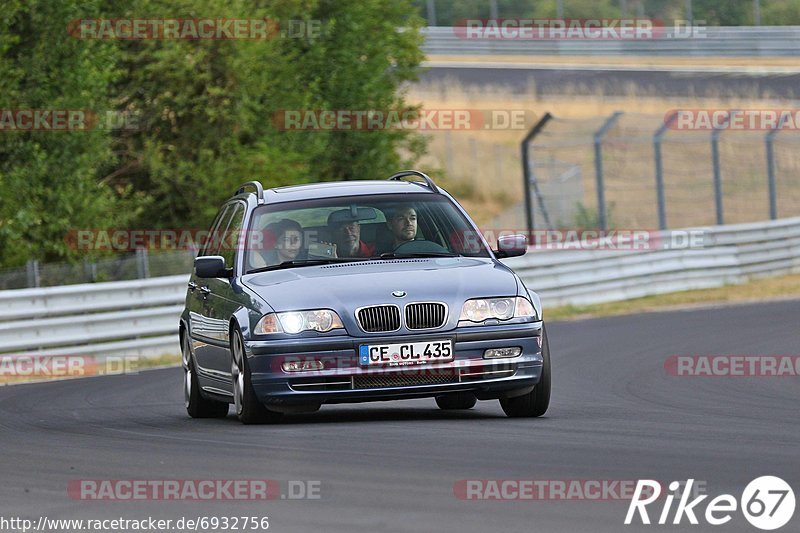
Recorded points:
(536, 402)
(248, 408)
(196, 405)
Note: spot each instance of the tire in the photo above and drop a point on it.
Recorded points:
(248, 409)
(536, 402)
(456, 400)
(196, 405)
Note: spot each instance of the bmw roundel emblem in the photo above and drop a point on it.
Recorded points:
(398, 294)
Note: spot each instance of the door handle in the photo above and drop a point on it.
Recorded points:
(192, 286)
(204, 289)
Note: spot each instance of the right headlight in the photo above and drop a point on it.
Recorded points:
(479, 310)
(322, 320)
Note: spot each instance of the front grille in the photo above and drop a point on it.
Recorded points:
(430, 315)
(401, 379)
(379, 318)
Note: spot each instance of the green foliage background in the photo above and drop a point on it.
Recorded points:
(203, 111)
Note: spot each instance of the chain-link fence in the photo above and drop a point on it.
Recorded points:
(138, 265)
(631, 170)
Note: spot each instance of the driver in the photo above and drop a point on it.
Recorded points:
(402, 224)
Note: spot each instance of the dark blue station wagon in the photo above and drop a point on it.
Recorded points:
(353, 292)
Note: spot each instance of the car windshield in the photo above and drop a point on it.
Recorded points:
(358, 228)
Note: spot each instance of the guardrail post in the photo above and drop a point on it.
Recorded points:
(527, 180)
(717, 173)
(90, 271)
(602, 219)
(657, 136)
(142, 264)
(769, 139)
(32, 267)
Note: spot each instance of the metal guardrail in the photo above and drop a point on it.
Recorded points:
(715, 41)
(140, 317)
(732, 254)
(137, 317)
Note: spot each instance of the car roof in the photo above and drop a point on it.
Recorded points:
(331, 189)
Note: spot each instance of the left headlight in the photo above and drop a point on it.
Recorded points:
(321, 320)
(481, 309)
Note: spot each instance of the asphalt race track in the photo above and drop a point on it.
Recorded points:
(609, 82)
(615, 415)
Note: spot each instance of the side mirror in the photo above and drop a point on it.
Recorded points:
(511, 246)
(211, 266)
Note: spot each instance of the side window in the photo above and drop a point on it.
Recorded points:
(214, 240)
(230, 236)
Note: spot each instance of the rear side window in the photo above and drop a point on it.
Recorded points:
(230, 235)
(213, 241)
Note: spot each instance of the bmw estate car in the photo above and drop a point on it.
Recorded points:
(357, 291)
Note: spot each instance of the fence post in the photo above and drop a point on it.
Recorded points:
(717, 173)
(34, 280)
(657, 136)
(526, 170)
(769, 139)
(598, 168)
(431, 5)
(142, 264)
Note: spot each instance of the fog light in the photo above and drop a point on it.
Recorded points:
(495, 353)
(302, 366)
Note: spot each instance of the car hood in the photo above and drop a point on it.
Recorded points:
(345, 287)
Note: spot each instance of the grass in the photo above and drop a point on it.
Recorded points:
(760, 290)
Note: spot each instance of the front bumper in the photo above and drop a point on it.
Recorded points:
(344, 380)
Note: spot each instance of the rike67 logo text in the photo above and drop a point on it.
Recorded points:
(767, 503)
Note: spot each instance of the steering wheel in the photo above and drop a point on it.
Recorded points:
(420, 246)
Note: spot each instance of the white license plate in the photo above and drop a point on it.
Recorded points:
(408, 353)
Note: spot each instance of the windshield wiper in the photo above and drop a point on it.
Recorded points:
(303, 262)
(392, 255)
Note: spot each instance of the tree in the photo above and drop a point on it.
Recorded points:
(204, 111)
(48, 178)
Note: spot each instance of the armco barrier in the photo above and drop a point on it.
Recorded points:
(140, 317)
(137, 317)
(733, 254)
(712, 41)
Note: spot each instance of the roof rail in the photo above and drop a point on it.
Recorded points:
(428, 181)
(258, 187)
